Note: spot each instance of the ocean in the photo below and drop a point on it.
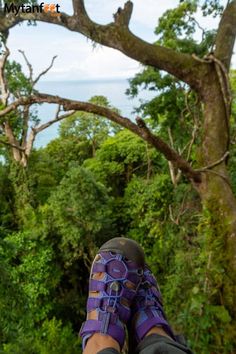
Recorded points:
(114, 90)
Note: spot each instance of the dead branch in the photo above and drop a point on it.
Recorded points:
(3, 85)
(44, 71)
(175, 176)
(26, 113)
(30, 67)
(140, 129)
(38, 129)
(58, 118)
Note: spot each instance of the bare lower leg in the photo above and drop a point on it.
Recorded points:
(99, 342)
(157, 330)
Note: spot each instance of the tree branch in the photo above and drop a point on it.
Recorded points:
(225, 38)
(122, 16)
(214, 164)
(44, 71)
(3, 85)
(79, 8)
(140, 129)
(58, 118)
(30, 67)
(36, 130)
(118, 36)
(26, 113)
(11, 145)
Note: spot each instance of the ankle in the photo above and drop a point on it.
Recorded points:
(98, 342)
(157, 330)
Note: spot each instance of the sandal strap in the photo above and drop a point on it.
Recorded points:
(143, 329)
(148, 309)
(90, 327)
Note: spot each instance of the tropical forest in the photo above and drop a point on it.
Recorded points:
(166, 179)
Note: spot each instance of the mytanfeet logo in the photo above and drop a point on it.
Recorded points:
(52, 9)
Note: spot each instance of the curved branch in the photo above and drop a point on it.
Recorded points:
(44, 72)
(58, 118)
(118, 36)
(139, 129)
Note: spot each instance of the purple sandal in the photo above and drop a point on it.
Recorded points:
(147, 310)
(118, 269)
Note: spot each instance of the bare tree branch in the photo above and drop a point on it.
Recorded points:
(38, 129)
(14, 105)
(175, 176)
(44, 71)
(58, 118)
(140, 129)
(30, 67)
(26, 116)
(3, 85)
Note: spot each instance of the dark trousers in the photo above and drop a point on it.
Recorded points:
(155, 344)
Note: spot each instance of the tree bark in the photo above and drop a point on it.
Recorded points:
(215, 188)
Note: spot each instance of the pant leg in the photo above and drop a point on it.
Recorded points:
(157, 344)
(108, 351)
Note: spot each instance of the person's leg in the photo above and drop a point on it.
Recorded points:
(149, 330)
(159, 344)
(100, 343)
(115, 276)
(109, 351)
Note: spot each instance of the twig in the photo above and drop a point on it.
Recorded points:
(170, 137)
(30, 67)
(56, 119)
(182, 210)
(169, 153)
(194, 132)
(45, 71)
(207, 269)
(216, 163)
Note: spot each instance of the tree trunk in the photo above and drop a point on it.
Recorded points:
(217, 195)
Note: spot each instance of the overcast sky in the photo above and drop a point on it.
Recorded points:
(77, 59)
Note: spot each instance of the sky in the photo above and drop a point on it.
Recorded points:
(77, 58)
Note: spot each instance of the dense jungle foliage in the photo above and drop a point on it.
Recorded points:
(97, 181)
